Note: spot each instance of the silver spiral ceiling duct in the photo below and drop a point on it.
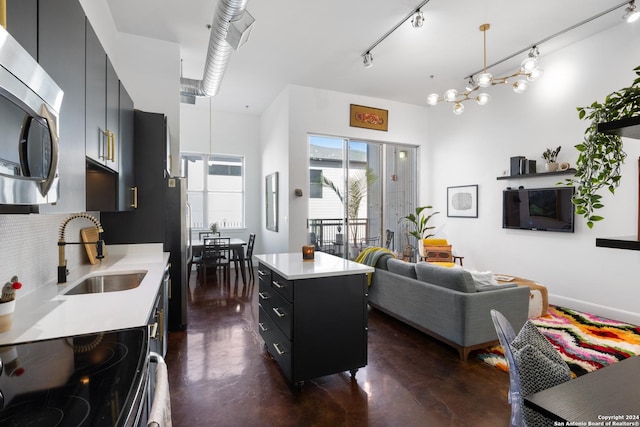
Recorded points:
(218, 52)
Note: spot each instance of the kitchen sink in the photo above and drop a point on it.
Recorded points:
(108, 283)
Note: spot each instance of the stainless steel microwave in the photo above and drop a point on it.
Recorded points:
(30, 104)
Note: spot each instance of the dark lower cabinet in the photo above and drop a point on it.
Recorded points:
(314, 326)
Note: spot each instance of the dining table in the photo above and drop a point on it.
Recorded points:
(604, 397)
(235, 244)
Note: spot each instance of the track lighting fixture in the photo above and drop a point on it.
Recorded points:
(418, 19)
(367, 60)
(529, 71)
(631, 14)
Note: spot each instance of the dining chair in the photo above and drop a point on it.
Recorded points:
(216, 253)
(506, 335)
(249, 255)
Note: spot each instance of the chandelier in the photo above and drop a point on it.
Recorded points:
(528, 71)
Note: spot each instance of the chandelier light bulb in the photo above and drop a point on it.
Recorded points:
(529, 64)
(520, 86)
(485, 80)
(433, 99)
(450, 95)
(458, 108)
(483, 98)
(535, 74)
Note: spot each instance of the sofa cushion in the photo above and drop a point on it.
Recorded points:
(407, 269)
(456, 279)
(486, 281)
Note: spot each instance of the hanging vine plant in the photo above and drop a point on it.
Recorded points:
(601, 155)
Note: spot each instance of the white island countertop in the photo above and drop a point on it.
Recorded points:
(47, 313)
(291, 266)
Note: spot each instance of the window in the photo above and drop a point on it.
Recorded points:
(215, 189)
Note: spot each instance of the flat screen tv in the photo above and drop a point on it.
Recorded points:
(541, 209)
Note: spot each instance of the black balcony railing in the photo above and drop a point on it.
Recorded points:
(329, 234)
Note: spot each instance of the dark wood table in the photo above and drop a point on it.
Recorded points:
(610, 391)
(236, 245)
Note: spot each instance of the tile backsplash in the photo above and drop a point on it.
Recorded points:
(29, 248)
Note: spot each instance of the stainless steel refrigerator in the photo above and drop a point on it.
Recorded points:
(161, 213)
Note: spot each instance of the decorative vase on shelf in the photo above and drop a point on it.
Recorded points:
(551, 166)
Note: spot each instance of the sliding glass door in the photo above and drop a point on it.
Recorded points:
(348, 205)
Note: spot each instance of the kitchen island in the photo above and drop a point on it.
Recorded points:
(313, 314)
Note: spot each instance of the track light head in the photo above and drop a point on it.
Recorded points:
(418, 19)
(631, 13)
(367, 60)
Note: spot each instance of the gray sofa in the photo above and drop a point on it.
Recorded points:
(446, 303)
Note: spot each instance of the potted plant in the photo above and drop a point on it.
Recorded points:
(214, 227)
(550, 156)
(358, 185)
(420, 224)
(600, 154)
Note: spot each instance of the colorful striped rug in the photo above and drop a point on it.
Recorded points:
(586, 342)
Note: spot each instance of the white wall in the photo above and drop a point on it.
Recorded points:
(231, 133)
(474, 148)
(300, 111)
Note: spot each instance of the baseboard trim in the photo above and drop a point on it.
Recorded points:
(597, 309)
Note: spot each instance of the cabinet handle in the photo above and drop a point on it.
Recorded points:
(263, 295)
(278, 313)
(154, 330)
(262, 327)
(113, 147)
(277, 347)
(134, 204)
(262, 273)
(106, 145)
(277, 285)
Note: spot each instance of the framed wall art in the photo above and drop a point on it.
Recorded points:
(462, 201)
(368, 117)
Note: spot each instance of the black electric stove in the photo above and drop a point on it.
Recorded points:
(87, 380)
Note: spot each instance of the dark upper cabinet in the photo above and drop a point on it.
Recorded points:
(61, 29)
(112, 116)
(22, 24)
(127, 190)
(100, 140)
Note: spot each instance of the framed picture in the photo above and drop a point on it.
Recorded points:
(368, 117)
(462, 201)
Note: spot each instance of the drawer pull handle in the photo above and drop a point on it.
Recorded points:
(262, 273)
(262, 327)
(263, 295)
(277, 311)
(277, 347)
(277, 285)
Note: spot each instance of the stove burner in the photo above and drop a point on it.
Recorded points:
(69, 411)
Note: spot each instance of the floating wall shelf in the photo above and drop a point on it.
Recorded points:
(569, 171)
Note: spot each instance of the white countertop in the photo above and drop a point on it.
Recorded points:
(291, 266)
(46, 313)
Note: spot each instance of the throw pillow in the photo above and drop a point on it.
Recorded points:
(537, 371)
(539, 364)
(438, 253)
(456, 279)
(529, 334)
(407, 269)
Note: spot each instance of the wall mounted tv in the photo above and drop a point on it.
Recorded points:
(541, 209)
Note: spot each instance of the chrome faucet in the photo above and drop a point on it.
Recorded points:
(62, 262)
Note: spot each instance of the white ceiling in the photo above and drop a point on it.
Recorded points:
(319, 44)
